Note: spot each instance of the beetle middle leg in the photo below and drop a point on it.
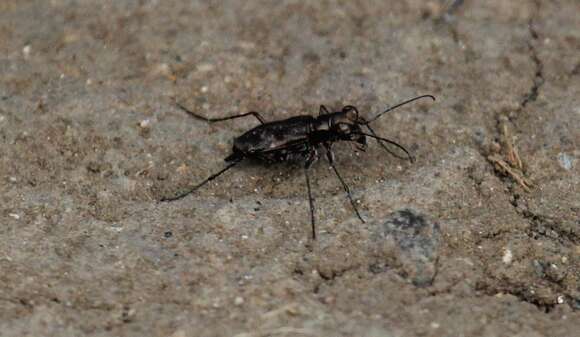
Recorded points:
(221, 119)
(310, 159)
(330, 157)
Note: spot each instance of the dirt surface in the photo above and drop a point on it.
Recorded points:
(479, 237)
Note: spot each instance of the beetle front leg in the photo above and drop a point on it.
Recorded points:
(330, 157)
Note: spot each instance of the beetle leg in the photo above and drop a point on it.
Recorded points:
(330, 156)
(310, 159)
(323, 111)
(211, 120)
(329, 153)
(210, 178)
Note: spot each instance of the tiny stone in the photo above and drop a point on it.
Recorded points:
(145, 123)
(409, 240)
(14, 215)
(26, 51)
(507, 256)
(566, 161)
(161, 69)
(205, 67)
(239, 300)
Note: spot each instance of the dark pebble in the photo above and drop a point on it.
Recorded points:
(409, 242)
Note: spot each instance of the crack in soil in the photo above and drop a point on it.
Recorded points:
(539, 80)
(539, 225)
(544, 226)
(523, 292)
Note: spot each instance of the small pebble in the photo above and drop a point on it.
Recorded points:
(413, 241)
(566, 161)
(507, 256)
(239, 300)
(26, 51)
(145, 123)
(205, 67)
(162, 69)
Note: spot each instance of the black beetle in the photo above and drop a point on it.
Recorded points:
(299, 139)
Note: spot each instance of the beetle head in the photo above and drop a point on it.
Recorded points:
(350, 132)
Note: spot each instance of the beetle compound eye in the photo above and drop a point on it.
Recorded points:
(351, 113)
(353, 116)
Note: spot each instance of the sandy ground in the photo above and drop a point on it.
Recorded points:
(479, 237)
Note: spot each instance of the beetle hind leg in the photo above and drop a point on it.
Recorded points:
(199, 185)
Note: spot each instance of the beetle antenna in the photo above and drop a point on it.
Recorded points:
(411, 158)
(396, 106)
(392, 153)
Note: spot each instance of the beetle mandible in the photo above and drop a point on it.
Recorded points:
(299, 139)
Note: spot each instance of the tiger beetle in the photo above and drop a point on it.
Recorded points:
(298, 139)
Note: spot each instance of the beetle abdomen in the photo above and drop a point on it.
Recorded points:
(265, 139)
